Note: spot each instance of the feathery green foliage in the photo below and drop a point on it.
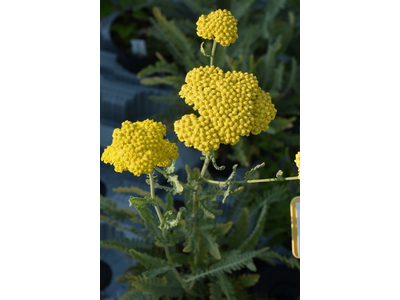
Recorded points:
(232, 263)
(157, 287)
(252, 240)
(226, 286)
(124, 245)
(242, 228)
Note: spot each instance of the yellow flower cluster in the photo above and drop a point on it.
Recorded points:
(297, 161)
(230, 105)
(219, 24)
(139, 147)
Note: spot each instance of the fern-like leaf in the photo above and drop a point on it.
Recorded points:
(207, 213)
(226, 286)
(252, 240)
(157, 287)
(222, 229)
(147, 260)
(215, 291)
(138, 191)
(150, 221)
(245, 280)
(269, 256)
(160, 67)
(231, 263)
(253, 172)
(157, 271)
(124, 245)
(174, 81)
(111, 208)
(134, 295)
(212, 246)
(200, 258)
(242, 228)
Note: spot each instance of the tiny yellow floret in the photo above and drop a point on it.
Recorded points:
(240, 108)
(139, 147)
(297, 161)
(219, 24)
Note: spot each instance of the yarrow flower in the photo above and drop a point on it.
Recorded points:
(219, 24)
(230, 105)
(139, 147)
(297, 161)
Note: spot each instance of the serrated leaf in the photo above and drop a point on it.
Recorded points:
(253, 172)
(252, 240)
(141, 202)
(189, 245)
(222, 229)
(207, 213)
(147, 260)
(170, 203)
(212, 246)
(215, 291)
(150, 220)
(200, 258)
(246, 280)
(133, 295)
(157, 271)
(242, 228)
(226, 286)
(160, 67)
(174, 81)
(229, 264)
(124, 245)
(291, 261)
(111, 208)
(157, 286)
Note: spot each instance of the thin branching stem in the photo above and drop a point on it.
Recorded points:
(254, 180)
(202, 173)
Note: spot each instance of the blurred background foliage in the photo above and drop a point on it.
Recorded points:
(268, 46)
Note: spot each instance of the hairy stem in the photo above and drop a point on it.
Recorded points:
(213, 52)
(255, 180)
(164, 233)
(203, 172)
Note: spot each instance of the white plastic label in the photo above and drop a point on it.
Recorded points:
(138, 47)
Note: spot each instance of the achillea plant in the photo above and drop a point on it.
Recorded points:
(200, 256)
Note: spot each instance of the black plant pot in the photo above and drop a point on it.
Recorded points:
(133, 63)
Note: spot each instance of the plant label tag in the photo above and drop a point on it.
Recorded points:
(138, 47)
(295, 216)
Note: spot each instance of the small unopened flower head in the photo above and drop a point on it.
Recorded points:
(297, 161)
(230, 105)
(219, 24)
(139, 147)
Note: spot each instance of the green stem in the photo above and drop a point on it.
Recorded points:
(202, 173)
(254, 181)
(213, 52)
(167, 253)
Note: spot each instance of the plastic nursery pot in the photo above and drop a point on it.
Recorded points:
(130, 26)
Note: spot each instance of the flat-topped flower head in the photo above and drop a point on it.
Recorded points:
(230, 105)
(139, 147)
(297, 161)
(219, 24)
